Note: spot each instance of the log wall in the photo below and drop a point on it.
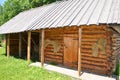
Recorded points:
(14, 43)
(57, 35)
(101, 63)
(90, 35)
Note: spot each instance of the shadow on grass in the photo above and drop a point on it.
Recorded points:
(24, 57)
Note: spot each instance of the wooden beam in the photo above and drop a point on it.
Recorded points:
(20, 44)
(79, 52)
(8, 45)
(29, 46)
(42, 47)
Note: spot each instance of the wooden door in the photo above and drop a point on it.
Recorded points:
(70, 51)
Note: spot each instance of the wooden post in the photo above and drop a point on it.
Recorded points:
(20, 44)
(8, 45)
(42, 47)
(29, 46)
(79, 52)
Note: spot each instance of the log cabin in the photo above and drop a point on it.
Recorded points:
(79, 34)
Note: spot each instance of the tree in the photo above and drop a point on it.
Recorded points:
(1, 14)
(12, 7)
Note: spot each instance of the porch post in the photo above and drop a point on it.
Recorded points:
(79, 52)
(20, 44)
(29, 46)
(42, 47)
(8, 45)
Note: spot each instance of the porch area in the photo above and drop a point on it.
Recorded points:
(72, 72)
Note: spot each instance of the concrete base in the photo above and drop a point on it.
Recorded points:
(72, 73)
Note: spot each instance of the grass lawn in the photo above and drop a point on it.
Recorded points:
(17, 69)
(118, 70)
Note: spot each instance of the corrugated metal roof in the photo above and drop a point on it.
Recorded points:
(23, 20)
(66, 13)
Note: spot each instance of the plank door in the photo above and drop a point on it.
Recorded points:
(70, 51)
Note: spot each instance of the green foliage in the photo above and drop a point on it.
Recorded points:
(1, 14)
(13, 7)
(17, 69)
(117, 72)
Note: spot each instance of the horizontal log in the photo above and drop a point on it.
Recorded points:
(90, 40)
(94, 71)
(90, 55)
(90, 51)
(54, 56)
(100, 64)
(94, 26)
(87, 46)
(93, 36)
(51, 53)
(14, 39)
(93, 29)
(95, 59)
(87, 43)
(52, 50)
(53, 60)
(89, 30)
(93, 67)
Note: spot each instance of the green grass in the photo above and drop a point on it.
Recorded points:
(17, 69)
(117, 72)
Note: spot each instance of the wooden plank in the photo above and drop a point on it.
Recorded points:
(42, 47)
(8, 45)
(20, 44)
(68, 49)
(29, 46)
(79, 51)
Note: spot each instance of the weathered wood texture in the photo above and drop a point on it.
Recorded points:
(8, 45)
(29, 47)
(70, 50)
(79, 51)
(101, 63)
(14, 44)
(116, 50)
(42, 47)
(58, 36)
(90, 35)
(20, 44)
